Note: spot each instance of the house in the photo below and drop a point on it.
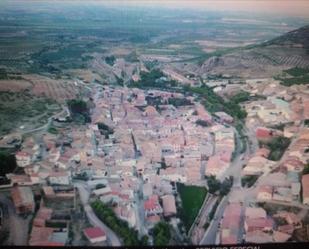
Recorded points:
(263, 152)
(169, 206)
(254, 213)
(102, 191)
(41, 236)
(59, 178)
(265, 193)
(215, 166)
(22, 180)
(305, 188)
(23, 200)
(126, 212)
(152, 206)
(95, 234)
(23, 158)
(263, 134)
(258, 224)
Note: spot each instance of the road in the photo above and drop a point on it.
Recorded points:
(17, 225)
(112, 238)
(209, 237)
(202, 218)
(234, 170)
(45, 126)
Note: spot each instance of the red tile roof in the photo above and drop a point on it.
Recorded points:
(263, 133)
(94, 232)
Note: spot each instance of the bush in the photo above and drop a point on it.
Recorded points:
(213, 184)
(179, 102)
(202, 123)
(248, 181)
(110, 60)
(277, 147)
(161, 234)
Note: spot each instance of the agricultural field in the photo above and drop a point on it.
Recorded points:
(21, 109)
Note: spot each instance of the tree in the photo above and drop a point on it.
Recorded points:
(213, 184)
(226, 186)
(144, 240)
(161, 234)
(7, 163)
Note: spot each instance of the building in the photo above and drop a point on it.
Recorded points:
(263, 134)
(305, 185)
(258, 224)
(59, 178)
(265, 193)
(95, 234)
(23, 159)
(23, 200)
(152, 206)
(169, 206)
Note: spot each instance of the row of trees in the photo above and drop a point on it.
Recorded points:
(154, 78)
(161, 234)
(214, 185)
(211, 101)
(120, 227)
(215, 103)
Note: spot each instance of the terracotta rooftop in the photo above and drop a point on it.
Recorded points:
(94, 232)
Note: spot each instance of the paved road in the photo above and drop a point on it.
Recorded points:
(18, 226)
(93, 219)
(201, 218)
(210, 236)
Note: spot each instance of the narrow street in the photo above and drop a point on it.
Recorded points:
(18, 226)
(112, 238)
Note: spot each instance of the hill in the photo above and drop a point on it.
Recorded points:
(261, 60)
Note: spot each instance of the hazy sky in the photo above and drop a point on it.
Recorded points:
(285, 7)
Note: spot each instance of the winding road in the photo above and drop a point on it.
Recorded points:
(112, 238)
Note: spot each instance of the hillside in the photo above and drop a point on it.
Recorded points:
(261, 60)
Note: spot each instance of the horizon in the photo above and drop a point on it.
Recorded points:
(296, 8)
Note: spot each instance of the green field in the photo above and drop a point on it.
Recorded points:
(192, 198)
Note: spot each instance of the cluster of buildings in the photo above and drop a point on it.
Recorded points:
(152, 147)
(132, 154)
(242, 224)
(288, 180)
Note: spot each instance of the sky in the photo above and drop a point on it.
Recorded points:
(285, 7)
(298, 8)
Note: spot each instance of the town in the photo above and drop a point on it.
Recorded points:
(152, 127)
(142, 151)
